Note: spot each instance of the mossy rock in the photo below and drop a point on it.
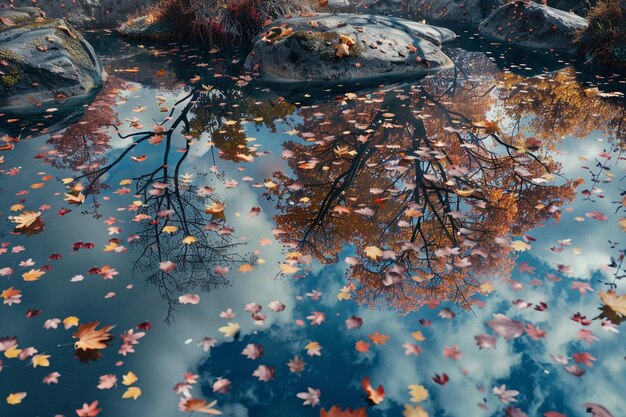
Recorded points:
(384, 49)
(44, 59)
(322, 43)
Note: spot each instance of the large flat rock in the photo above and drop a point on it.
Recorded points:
(43, 60)
(534, 26)
(385, 49)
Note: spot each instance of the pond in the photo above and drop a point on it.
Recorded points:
(452, 240)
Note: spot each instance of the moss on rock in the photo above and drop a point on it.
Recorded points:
(12, 78)
(322, 43)
(10, 56)
(74, 47)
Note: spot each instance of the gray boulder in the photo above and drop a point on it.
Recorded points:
(580, 7)
(304, 50)
(469, 12)
(85, 14)
(534, 26)
(339, 5)
(43, 60)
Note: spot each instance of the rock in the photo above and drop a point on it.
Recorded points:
(580, 7)
(339, 5)
(303, 50)
(42, 60)
(85, 14)
(468, 12)
(146, 29)
(534, 26)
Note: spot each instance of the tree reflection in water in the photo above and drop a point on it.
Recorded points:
(427, 191)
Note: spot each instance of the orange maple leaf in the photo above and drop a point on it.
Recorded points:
(378, 339)
(377, 395)
(201, 406)
(362, 346)
(90, 338)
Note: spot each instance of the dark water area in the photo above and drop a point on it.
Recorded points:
(457, 240)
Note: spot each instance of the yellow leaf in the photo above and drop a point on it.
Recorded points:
(417, 335)
(129, 379)
(126, 182)
(77, 198)
(230, 330)
(40, 360)
(170, 229)
(287, 268)
(70, 321)
(312, 345)
(13, 352)
(373, 252)
(520, 245)
(17, 207)
(418, 393)
(414, 411)
(188, 240)
(615, 303)
(10, 292)
(67, 180)
(132, 392)
(110, 247)
(486, 288)
(32, 275)
(344, 293)
(25, 219)
(36, 186)
(15, 398)
(465, 193)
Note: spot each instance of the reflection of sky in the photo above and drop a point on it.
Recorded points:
(163, 355)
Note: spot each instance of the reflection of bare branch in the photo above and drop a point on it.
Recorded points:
(173, 206)
(450, 197)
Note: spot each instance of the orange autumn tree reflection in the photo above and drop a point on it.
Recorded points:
(427, 191)
(556, 106)
(83, 146)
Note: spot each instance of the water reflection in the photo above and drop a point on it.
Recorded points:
(427, 190)
(443, 195)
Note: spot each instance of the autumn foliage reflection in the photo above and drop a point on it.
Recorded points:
(427, 191)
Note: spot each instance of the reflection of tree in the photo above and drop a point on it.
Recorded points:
(183, 248)
(226, 127)
(427, 192)
(83, 145)
(559, 106)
